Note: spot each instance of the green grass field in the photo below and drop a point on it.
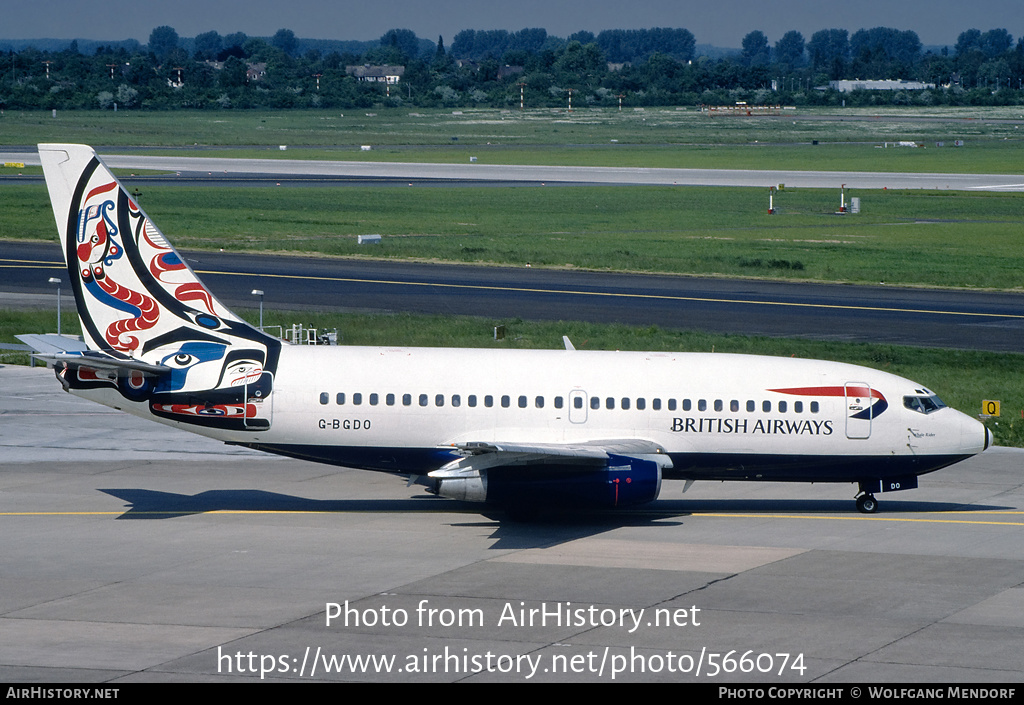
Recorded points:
(969, 240)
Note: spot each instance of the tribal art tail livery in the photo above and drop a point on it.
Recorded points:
(162, 337)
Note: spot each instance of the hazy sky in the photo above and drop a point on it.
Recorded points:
(722, 23)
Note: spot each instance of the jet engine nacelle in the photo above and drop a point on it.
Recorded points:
(623, 482)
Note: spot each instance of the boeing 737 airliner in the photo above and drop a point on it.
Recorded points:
(518, 428)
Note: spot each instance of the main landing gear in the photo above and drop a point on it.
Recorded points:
(866, 503)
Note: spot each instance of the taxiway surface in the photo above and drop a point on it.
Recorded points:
(135, 552)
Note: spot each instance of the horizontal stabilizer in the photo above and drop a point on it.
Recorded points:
(73, 352)
(119, 367)
(52, 343)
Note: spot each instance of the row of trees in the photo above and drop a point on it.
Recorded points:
(616, 45)
(636, 67)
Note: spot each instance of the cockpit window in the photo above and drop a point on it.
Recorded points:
(923, 404)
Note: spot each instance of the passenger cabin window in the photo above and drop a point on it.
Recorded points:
(325, 398)
(339, 399)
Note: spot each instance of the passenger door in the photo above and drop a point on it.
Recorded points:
(858, 410)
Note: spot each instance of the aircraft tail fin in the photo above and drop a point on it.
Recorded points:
(129, 282)
(160, 333)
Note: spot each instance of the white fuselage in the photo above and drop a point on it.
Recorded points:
(716, 415)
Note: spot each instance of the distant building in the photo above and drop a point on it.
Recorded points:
(254, 72)
(884, 85)
(376, 74)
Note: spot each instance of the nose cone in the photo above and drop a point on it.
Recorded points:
(974, 436)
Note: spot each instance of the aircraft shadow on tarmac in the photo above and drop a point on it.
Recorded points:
(152, 504)
(539, 533)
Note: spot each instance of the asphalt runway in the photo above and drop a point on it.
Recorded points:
(244, 180)
(133, 552)
(922, 317)
(479, 171)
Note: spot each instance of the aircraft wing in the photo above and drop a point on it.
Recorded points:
(479, 455)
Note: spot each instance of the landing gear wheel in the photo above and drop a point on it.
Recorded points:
(867, 504)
